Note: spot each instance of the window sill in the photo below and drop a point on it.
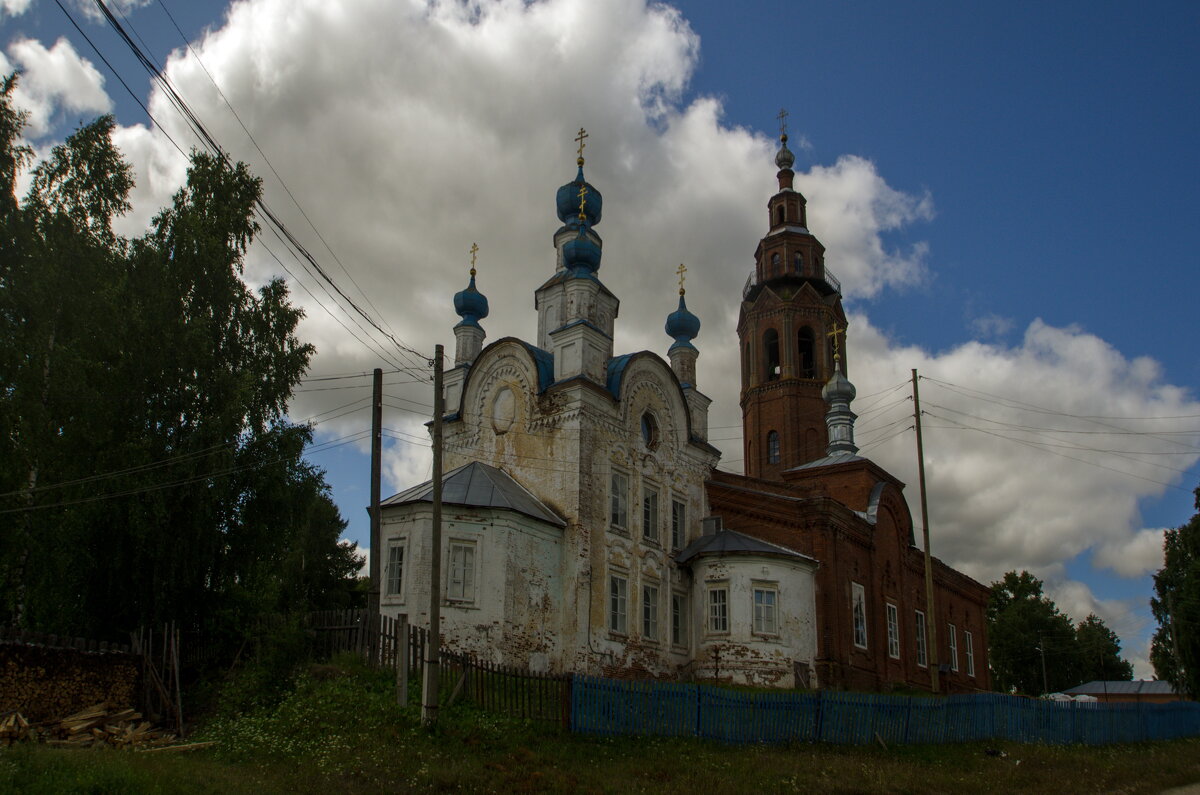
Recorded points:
(460, 604)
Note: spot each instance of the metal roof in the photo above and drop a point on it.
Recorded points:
(1143, 687)
(478, 485)
(829, 460)
(731, 542)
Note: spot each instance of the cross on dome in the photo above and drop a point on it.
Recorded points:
(580, 138)
(474, 251)
(681, 270)
(836, 330)
(782, 117)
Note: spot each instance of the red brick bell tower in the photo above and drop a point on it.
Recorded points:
(790, 306)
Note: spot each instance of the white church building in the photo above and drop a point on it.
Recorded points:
(574, 533)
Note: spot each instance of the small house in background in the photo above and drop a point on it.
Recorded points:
(1147, 691)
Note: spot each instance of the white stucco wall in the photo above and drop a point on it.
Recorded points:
(740, 654)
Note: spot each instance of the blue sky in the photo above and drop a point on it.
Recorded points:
(1008, 193)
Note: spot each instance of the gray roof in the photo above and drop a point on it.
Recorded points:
(477, 485)
(731, 542)
(829, 460)
(1144, 687)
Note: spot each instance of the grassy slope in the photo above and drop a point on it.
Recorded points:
(338, 730)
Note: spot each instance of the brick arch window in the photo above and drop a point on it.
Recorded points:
(806, 349)
(780, 215)
(771, 352)
(798, 263)
(775, 269)
(773, 447)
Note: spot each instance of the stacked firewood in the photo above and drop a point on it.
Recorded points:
(100, 724)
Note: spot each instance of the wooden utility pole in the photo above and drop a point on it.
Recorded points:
(930, 611)
(429, 699)
(376, 543)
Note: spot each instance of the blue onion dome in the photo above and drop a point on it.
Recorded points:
(682, 324)
(568, 201)
(784, 159)
(470, 304)
(581, 255)
(838, 386)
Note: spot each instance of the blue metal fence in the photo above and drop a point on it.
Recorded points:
(613, 707)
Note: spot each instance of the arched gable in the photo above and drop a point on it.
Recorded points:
(646, 383)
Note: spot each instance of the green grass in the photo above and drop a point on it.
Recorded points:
(336, 728)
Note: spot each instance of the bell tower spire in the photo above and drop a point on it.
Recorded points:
(790, 304)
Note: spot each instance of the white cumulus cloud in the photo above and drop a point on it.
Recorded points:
(53, 79)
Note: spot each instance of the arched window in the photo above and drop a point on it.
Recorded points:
(771, 349)
(649, 430)
(780, 215)
(746, 360)
(798, 262)
(806, 353)
(775, 264)
(772, 448)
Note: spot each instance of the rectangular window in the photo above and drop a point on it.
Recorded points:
(922, 658)
(649, 612)
(953, 648)
(679, 619)
(718, 610)
(678, 524)
(395, 569)
(618, 598)
(858, 604)
(650, 515)
(893, 632)
(460, 586)
(765, 614)
(969, 642)
(619, 492)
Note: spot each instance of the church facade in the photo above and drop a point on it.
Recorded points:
(587, 529)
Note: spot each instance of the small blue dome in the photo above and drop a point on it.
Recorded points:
(471, 305)
(682, 324)
(581, 254)
(568, 202)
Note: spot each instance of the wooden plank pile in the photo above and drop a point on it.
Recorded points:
(99, 724)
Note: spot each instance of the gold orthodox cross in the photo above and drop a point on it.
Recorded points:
(783, 114)
(681, 270)
(474, 251)
(834, 334)
(582, 135)
(582, 197)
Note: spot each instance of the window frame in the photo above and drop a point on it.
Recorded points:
(922, 644)
(718, 609)
(650, 598)
(679, 619)
(618, 603)
(678, 523)
(858, 612)
(394, 545)
(893, 628)
(773, 447)
(772, 360)
(618, 501)
(467, 581)
(969, 643)
(765, 619)
(650, 501)
(953, 638)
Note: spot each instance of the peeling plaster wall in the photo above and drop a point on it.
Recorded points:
(512, 614)
(741, 655)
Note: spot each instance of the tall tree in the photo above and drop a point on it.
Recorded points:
(1031, 644)
(1175, 649)
(1100, 653)
(148, 470)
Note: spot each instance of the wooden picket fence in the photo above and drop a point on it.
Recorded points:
(395, 645)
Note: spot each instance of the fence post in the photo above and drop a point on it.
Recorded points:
(400, 629)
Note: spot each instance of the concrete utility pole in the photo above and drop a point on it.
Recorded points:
(931, 612)
(429, 699)
(376, 456)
